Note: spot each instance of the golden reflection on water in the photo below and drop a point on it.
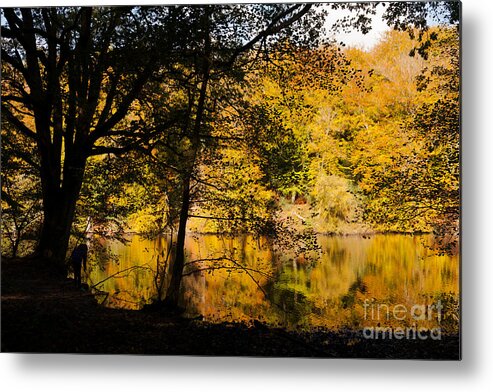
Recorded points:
(356, 282)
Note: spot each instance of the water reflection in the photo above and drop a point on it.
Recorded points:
(383, 271)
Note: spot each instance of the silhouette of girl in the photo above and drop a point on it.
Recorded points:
(79, 258)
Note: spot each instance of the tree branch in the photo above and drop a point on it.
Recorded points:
(273, 28)
(18, 124)
(219, 218)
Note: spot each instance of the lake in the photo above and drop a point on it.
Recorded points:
(355, 281)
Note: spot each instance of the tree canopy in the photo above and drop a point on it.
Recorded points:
(227, 118)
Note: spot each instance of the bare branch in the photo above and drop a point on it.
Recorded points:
(129, 269)
(220, 218)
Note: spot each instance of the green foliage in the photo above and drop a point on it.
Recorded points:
(335, 202)
(21, 193)
(103, 205)
(281, 153)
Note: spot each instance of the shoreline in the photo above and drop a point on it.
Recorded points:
(324, 234)
(42, 313)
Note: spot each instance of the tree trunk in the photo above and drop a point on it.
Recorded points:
(15, 246)
(55, 233)
(59, 212)
(173, 292)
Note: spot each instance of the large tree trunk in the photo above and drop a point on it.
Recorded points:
(55, 233)
(173, 292)
(59, 211)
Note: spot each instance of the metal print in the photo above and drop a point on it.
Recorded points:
(234, 179)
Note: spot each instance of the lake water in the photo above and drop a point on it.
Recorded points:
(356, 282)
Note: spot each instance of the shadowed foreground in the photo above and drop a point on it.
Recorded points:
(41, 313)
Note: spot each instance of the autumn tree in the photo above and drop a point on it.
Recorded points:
(71, 76)
(171, 86)
(422, 181)
(207, 85)
(288, 99)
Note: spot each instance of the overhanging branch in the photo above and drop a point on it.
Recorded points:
(273, 28)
